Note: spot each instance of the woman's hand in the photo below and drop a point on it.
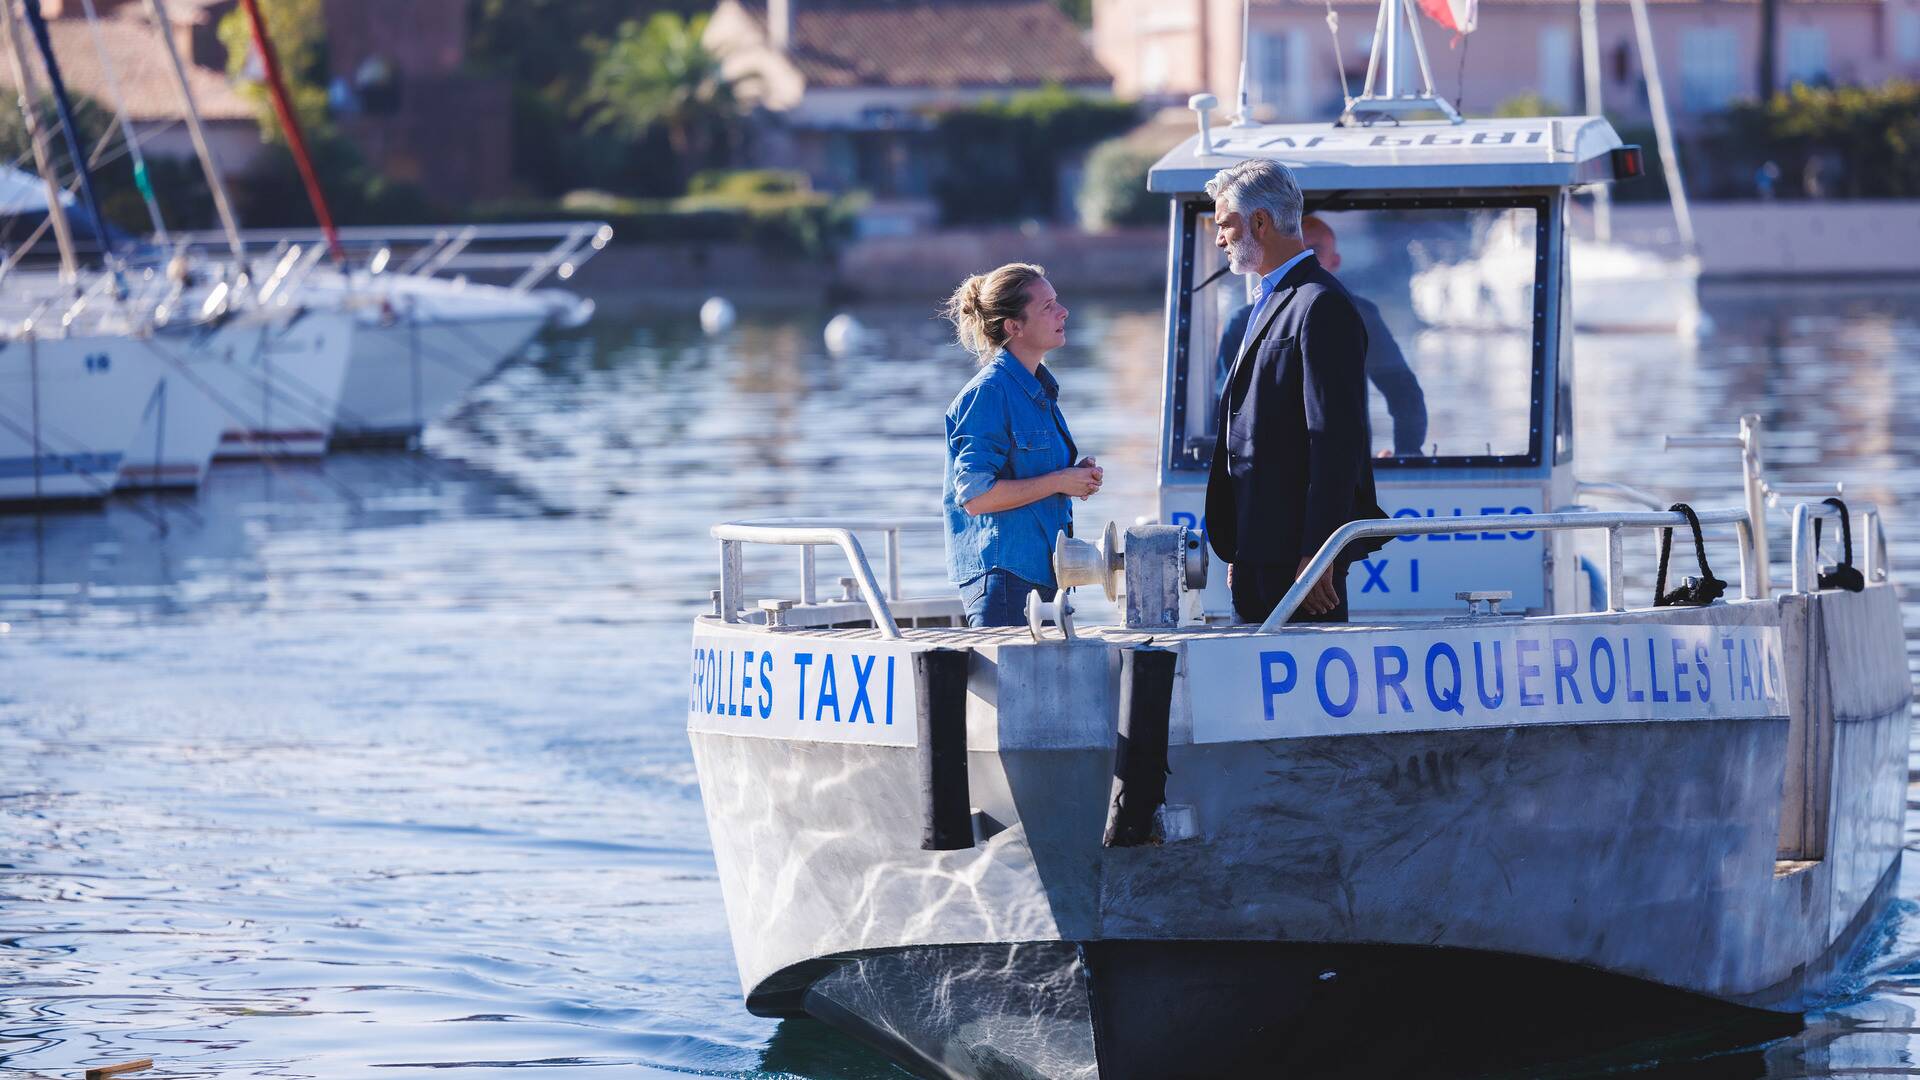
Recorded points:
(1080, 481)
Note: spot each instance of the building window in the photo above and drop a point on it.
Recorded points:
(1709, 68)
(1906, 35)
(1806, 54)
(1556, 67)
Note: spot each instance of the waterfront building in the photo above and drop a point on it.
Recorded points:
(1163, 50)
(846, 91)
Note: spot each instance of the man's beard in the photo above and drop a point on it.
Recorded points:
(1243, 255)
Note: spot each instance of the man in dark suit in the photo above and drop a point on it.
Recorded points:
(1387, 366)
(1290, 462)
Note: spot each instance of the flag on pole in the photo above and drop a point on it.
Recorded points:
(1458, 16)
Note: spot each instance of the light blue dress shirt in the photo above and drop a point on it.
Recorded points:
(1269, 282)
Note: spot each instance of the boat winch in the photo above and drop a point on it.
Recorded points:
(1160, 565)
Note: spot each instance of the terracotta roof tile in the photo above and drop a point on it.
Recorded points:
(951, 43)
(140, 62)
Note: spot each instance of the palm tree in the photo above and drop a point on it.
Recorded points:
(660, 75)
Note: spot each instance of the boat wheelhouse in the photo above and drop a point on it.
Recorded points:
(1177, 846)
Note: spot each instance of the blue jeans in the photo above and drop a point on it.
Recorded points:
(999, 598)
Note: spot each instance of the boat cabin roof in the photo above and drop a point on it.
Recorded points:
(1529, 152)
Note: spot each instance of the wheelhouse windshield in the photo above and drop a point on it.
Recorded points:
(1451, 292)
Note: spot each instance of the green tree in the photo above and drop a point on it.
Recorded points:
(298, 30)
(541, 44)
(659, 74)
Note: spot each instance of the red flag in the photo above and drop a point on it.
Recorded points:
(1458, 16)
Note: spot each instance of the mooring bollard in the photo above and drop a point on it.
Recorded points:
(946, 802)
(1140, 751)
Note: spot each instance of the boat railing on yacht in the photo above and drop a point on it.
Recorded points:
(529, 252)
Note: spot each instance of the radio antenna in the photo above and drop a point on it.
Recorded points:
(1245, 119)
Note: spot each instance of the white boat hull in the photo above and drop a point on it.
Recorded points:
(280, 386)
(69, 409)
(403, 376)
(182, 425)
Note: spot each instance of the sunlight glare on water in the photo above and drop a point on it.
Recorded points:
(378, 767)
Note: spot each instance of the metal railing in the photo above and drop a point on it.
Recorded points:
(531, 251)
(1613, 523)
(807, 534)
(1870, 542)
(1627, 492)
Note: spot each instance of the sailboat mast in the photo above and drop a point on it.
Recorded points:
(37, 22)
(1662, 127)
(141, 179)
(290, 123)
(42, 160)
(1595, 106)
(215, 184)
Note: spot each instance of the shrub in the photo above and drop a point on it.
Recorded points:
(1871, 132)
(802, 223)
(1002, 160)
(743, 183)
(1114, 192)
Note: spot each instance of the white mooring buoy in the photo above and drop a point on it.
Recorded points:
(716, 315)
(844, 334)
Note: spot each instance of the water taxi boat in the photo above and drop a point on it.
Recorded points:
(1183, 847)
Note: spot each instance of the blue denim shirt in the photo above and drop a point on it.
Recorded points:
(1005, 425)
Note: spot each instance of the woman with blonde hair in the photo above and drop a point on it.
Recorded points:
(1011, 465)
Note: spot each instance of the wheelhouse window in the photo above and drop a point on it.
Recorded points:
(1451, 292)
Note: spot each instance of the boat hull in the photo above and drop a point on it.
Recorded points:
(68, 414)
(280, 386)
(404, 375)
(1158, 1010)
(1646, 845)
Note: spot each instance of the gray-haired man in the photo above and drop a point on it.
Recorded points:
(1290, 462)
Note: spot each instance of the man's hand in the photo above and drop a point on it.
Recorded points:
(1322, 599)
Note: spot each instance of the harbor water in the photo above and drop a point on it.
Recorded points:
(376, 766)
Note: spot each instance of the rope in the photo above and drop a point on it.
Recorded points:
(1845, 575)
(1339, 63)
(1692, 592)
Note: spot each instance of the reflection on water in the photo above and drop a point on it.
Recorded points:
(376, 767)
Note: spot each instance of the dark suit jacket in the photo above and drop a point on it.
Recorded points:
(1290, 455)
(1386, 367)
